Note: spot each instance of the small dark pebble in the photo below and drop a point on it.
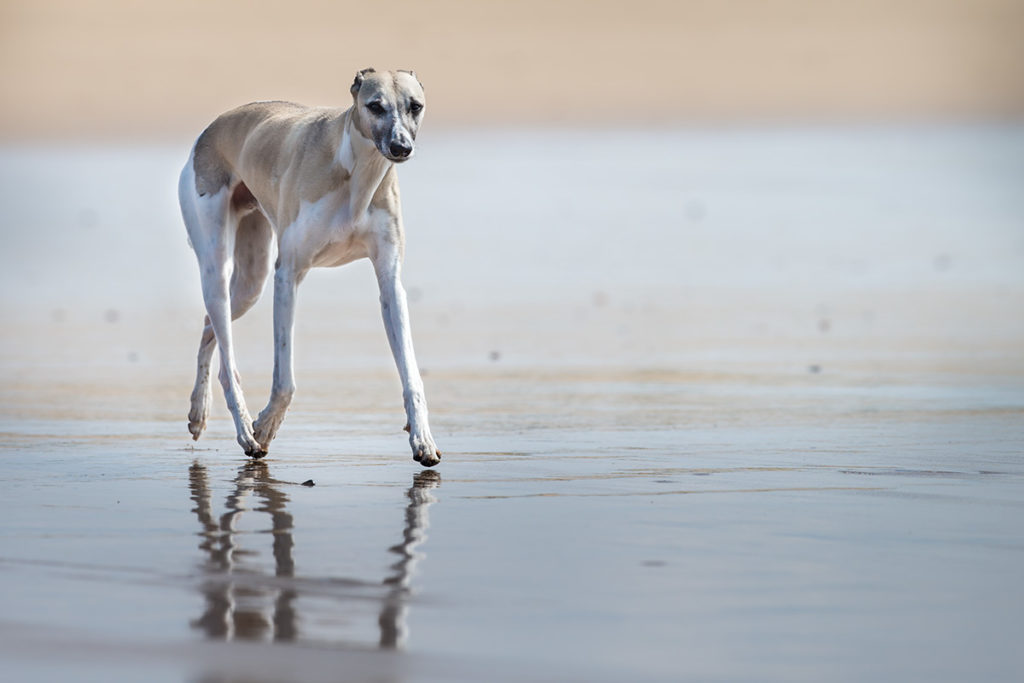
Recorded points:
(814, 369)
(654, 563)
(308, 482)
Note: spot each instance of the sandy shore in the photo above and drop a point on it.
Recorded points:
(755, 416)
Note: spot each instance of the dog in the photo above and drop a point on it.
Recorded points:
(321, 184)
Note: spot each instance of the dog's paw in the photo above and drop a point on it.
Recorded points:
(257, 453)
(253, 449)
(264, 429)
(425, 452)
(196, 427)
(197, 415)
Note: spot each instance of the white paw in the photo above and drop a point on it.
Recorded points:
(198, 413)
(424, 451)
(196, 425)
(266, 426)
(253, 449)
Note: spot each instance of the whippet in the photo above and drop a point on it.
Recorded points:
(321, 184)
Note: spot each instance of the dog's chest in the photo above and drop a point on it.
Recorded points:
(344, 240)
(337, 252)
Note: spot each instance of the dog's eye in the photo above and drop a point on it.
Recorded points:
(415, 107)
(376, 108)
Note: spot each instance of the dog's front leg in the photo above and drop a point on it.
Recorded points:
(387, 265)
(286, 282)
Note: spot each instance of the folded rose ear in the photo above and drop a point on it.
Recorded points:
(358, 82)
(411, 73)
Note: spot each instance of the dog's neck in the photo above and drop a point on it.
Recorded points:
(366, 166)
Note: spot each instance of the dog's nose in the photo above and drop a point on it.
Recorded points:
(400, 149)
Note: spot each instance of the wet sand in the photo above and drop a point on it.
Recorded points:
(755, 415)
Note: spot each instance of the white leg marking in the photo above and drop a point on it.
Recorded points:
(206, 219)
(199, 410)
(286, 282)
(396, 323)
(252, 252)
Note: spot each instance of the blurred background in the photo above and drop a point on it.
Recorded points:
(116, 68)
(653, 182)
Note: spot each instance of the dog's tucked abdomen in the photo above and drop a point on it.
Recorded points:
(242, 200)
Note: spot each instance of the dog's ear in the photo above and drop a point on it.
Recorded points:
(360, 75)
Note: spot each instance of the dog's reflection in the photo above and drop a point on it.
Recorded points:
(245, 601)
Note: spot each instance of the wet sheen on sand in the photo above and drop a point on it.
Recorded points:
(769, 450)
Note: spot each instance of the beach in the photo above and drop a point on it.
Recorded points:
(715, 403)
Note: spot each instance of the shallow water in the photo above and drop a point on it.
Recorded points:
(754, 415)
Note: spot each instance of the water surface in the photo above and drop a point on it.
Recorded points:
(714, 405)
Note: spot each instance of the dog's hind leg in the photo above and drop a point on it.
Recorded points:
(252, 263)
(212, 230)
(199, 408)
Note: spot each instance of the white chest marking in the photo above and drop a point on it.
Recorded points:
(324, 233)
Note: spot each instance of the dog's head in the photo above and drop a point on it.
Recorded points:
(387, 108)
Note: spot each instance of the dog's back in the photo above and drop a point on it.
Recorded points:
(253, 147)
(218, 149)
